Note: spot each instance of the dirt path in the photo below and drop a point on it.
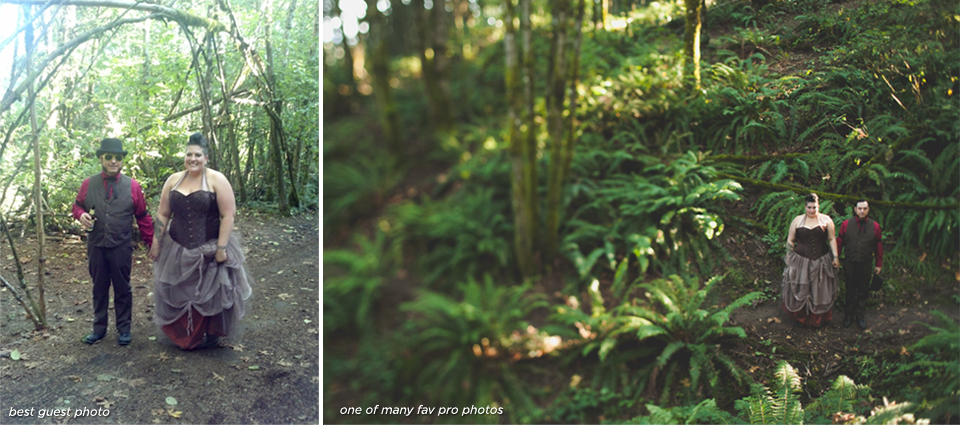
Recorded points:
(271, 376)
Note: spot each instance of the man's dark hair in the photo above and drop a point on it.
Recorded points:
(198, 140)
(811, 198)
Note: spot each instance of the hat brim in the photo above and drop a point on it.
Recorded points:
(101, 152)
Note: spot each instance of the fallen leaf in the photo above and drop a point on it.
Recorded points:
(75, 378)
(119, 393)
(174, 413)
(284, 296)
(754, 369)
(171, 401)
(254, 367)
(285, 364)
(265, 353)
(237, 347)
(903, 351)
(217, 376)
(162, 356)
(773, 320)
(15, 354)
(107, 404)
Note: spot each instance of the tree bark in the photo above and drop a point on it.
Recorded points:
(691, 40)
(380, 71)
(522, 186)
(556, 93)
(41, 311)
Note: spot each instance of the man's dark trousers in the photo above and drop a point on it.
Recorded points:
(111, 265)
(857, 276)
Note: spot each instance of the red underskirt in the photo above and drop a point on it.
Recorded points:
(806, 318)
(202, 325)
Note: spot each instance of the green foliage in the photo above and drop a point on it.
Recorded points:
(706, 412)
(841, 397)
(356, 188)
(587, 405)
(666, 216)
(464, 349)
(464, 233)
(938, 365)
(689, 334)
(352, 282)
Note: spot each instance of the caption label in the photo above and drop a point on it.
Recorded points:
(422, 410)
(53, 413)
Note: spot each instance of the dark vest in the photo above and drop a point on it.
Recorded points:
(859, 245)
(113, 226)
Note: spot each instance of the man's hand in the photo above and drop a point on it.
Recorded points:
(86, 220)
(876, 270)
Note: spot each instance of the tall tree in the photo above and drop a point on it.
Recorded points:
(563, 74)
(691, 40)
(379, 61)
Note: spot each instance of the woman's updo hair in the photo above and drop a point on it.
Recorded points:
(198, 140)
(812, 198)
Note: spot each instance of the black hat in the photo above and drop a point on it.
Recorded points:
(111, 146)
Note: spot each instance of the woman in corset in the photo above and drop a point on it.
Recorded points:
(809, 279)
(200, 285)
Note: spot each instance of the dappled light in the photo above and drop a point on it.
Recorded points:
(590, 203)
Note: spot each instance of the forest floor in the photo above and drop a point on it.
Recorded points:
(269, 376)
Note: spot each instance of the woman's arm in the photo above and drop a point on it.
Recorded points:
(162, 217)
(228, 209)
(792, 234)
(832, 237)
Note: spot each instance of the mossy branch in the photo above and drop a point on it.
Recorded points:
(747, 159)
(836, 197)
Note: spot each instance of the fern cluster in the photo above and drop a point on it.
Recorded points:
(677, 334)
(666, 216)
(463, 351)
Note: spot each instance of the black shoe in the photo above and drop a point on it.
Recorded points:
(92, 338)
(211, 341)
(861, 323)
(124, 339)
(847, 322)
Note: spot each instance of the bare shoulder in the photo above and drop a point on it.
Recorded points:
(174, 178)
(217, 180)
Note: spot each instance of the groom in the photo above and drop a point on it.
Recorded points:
(116, 201)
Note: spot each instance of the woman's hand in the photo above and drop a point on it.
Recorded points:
(221, 255)
(836, 263)
(154, 250)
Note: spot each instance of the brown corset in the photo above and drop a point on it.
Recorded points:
(196, 218)
(812, 243)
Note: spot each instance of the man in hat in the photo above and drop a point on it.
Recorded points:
(115, 201)
(861, 236)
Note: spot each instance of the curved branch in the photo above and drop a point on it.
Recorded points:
(834, 196)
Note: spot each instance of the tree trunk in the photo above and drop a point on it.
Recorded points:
(41, 311)
(522, 186)
(380, 71)
(556, 93)
(691, 40)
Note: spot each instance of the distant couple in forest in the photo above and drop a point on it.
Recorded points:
(813, 255)
(200, 284)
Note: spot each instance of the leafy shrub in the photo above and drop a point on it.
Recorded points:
(689, 331)
(467, 351)
(352, 281)
(683, 199)
(937, 365)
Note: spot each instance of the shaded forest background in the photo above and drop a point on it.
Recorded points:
(557, 208)
(242, 73)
